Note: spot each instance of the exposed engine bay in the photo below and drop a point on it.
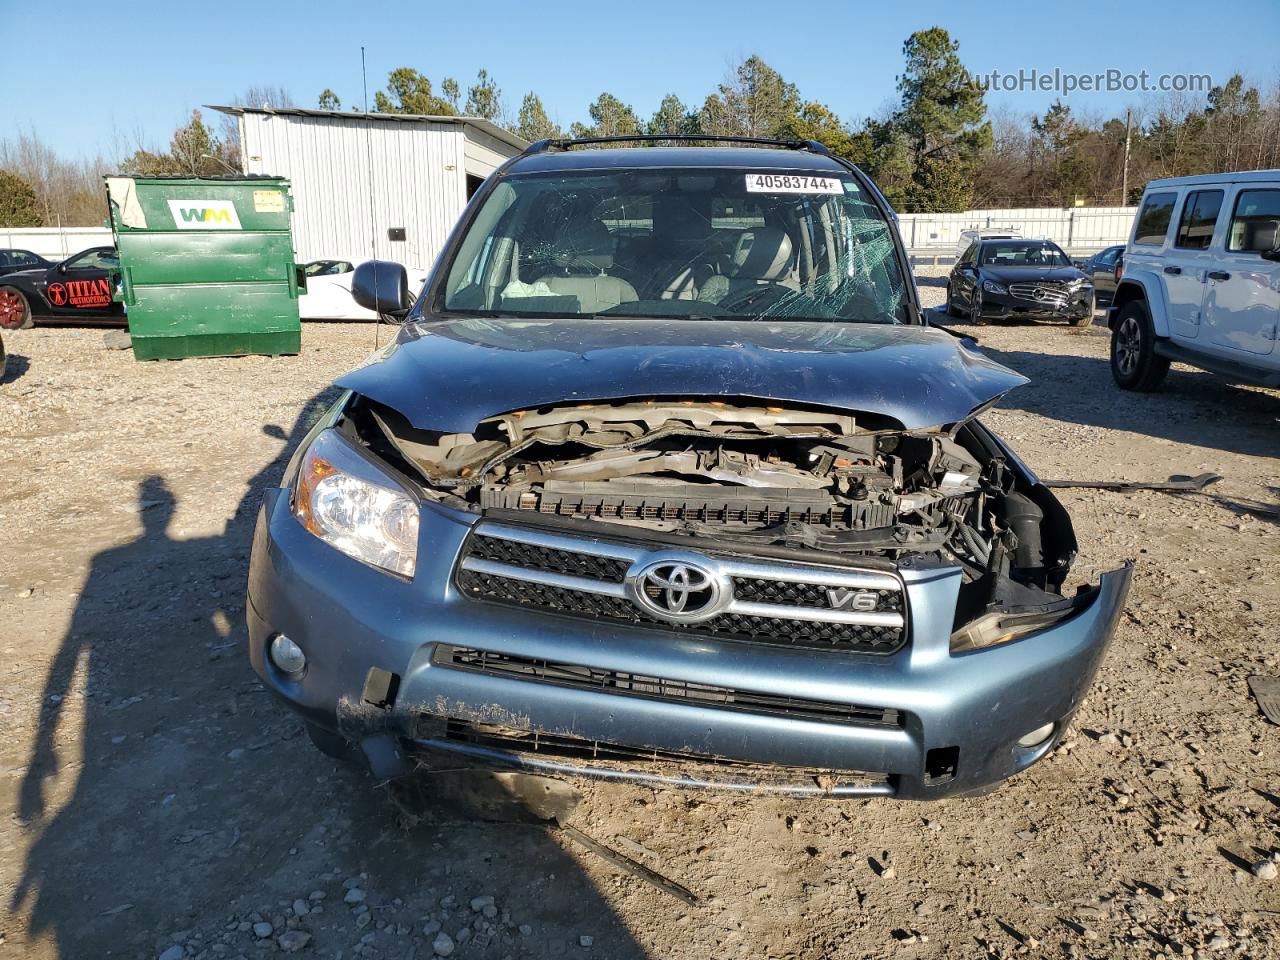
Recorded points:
(755, 475)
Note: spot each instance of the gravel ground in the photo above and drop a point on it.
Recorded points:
(160, 804)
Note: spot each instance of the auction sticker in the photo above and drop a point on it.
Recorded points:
(792, 183)
(268, 201)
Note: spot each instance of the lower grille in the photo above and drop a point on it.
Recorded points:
(1047, 293)
(761, 601)
(660, 688)
(601, 754)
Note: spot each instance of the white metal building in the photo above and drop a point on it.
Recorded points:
(366, 185)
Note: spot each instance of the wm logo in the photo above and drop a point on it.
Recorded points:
(204, 215)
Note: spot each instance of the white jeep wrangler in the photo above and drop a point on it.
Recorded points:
(1201, 282)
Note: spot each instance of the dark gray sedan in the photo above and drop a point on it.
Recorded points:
(1029, 279)
(1101, 269)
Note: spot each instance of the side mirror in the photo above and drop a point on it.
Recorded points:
(382, 286)
(1272, 254)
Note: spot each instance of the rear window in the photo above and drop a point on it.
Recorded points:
(1153, 220)
(1255, 223)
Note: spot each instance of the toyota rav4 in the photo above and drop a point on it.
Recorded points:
(665, 480)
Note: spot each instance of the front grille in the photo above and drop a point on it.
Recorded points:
(1048, 293)
(605, 755)
(660, 688)
(766, 601)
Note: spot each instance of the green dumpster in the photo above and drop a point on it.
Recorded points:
(206, 265)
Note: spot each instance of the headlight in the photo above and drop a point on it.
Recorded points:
(992, 629)
(346, 501)
(992, 287)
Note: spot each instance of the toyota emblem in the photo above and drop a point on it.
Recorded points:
(679, 590)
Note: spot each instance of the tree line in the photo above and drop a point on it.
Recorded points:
(937, 148)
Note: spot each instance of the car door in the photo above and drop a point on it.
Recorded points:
(1188, 259)
(962, 277)
(81, 286)
(1101, 272)
(1242, 290)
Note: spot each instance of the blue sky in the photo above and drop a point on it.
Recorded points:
(76, 81)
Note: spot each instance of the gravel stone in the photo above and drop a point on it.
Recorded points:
(442, 944)
(293, 941)
(175, 952)
(1266, 870)
(354, 895)
(262, 930)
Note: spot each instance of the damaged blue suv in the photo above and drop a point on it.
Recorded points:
(666, 480)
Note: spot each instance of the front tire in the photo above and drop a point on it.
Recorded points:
(15, 312)
(1086, 319)
(332, 744)
(1134, 362)
(952, 309)
(975, 306)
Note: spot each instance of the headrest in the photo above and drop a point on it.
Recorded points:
(584, 244)
(761, 254)
(1262, 235)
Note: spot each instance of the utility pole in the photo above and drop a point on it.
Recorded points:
(1124, 176)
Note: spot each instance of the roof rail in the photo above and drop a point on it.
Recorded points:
(541, 146)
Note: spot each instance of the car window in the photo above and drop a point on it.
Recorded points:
(1255, 222)
(970, 254)
(18, 258)
(1023, 253)
(94, 260)
(1153, 220)
(719, 243)
(1199, 216)
(1107, 258)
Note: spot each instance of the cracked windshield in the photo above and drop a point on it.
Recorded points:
(672, 243)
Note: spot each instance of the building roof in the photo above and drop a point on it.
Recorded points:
(592, 158)
(475, 123)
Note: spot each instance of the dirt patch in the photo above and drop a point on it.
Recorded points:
(160, 803)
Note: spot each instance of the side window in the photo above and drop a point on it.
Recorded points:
(1255, 222)
(1153, 219)
(1108, 257)
(970, 254)
(1199, 217)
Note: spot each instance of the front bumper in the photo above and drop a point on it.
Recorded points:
(960, 716)
(996, 306)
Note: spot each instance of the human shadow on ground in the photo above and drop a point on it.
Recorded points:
(14, 367)
(185, 793)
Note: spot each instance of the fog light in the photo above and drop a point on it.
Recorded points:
(287, 655)
(1037, 736)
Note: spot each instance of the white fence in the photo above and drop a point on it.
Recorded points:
(1075, 229)
(55, 243)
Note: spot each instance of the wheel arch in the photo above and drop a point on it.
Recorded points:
(1145, 287)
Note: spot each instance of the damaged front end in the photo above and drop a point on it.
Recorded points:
(739, 476)
(697, 592)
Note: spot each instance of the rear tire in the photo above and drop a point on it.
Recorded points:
(15, 311)
(1134, 362)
